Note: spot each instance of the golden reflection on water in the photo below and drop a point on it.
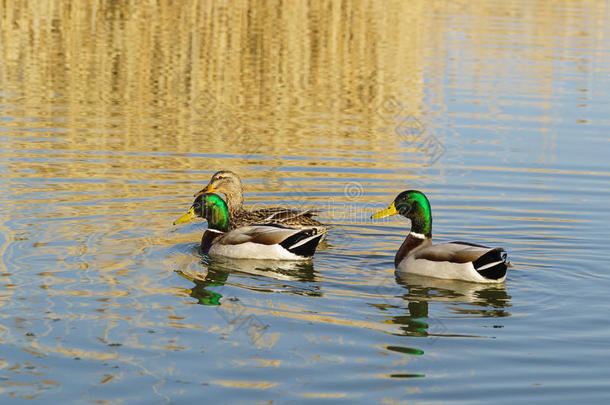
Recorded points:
(198, 65)
(249, 86)
(246, 87)
(248, 79)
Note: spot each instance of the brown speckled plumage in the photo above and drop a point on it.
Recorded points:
(229, 184)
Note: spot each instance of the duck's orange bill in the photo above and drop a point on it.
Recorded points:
(207, 189)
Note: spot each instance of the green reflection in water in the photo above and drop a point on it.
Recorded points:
(200, 291)
(406, 350)
(407, 375)
(275, 275)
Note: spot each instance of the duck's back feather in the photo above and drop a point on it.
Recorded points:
(455, 252)
(267, 234)
(276, 215)
(279, 213)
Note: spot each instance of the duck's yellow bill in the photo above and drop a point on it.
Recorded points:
(186, 217)
(391, 210)
(207, 189)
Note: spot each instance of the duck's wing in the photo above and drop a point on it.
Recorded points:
(279, 213)
(284, 216)
(461, 252)
(301, 242)
(266, 234)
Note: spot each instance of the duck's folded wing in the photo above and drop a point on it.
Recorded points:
(261, 234)
(456, 252)
(281, 214)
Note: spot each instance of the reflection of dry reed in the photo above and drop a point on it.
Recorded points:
(256, 78)
(194, 64)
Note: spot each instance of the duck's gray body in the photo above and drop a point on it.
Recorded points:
(454, 260)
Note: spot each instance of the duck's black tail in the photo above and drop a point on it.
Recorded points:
(303, 243)
(492, 264)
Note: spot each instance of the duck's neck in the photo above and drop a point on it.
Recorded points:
(207, 240)
(235, 200)
(413, 241)
(420, 215)
(218, 216)
(422, 227)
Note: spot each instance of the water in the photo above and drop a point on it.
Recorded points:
(112, 116)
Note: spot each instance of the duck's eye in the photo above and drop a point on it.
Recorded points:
(403, 207)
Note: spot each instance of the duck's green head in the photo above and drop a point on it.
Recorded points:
(414, 205)
(211, 207)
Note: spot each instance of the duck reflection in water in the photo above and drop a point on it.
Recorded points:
(462, 298)
(270, 276)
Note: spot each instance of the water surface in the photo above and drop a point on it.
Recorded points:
(113, 115)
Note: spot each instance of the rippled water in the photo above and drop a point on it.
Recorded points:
(113, 115)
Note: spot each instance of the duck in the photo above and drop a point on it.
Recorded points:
(229, 184)
(256, 241)
(454, 260)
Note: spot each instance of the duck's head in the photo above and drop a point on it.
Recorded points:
(414, 205)
(211, 207)
(227, 183)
